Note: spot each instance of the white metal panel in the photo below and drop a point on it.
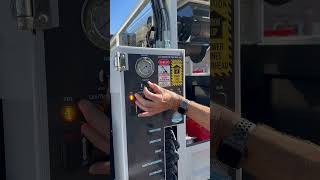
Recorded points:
(118, 112)
(118, 120)
(198, 157)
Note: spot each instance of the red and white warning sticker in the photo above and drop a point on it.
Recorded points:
(164, 73)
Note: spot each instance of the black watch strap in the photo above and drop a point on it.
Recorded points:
(232, 148)
(183, 107)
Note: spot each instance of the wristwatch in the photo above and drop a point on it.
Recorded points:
(183, 107)
(234, 147)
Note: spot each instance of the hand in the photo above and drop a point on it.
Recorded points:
(96, 131)
(158, 102)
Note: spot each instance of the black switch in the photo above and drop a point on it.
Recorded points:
(139, 110)
(145, 84)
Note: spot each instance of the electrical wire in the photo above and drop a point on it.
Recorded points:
(156, 19)
(160, 17)
(165, 16)
(131, 26)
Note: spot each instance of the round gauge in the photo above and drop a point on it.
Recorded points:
(95, 22)
(144, 67)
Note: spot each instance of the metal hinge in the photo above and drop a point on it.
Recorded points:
(120, 62)
(35, 14)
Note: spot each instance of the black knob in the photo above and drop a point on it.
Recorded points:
(145, 84)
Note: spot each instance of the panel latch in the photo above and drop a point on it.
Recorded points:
(120, 62)
(35, 14)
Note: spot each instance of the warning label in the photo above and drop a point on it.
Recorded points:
(164, 73)
(176, 72)
(221, 28)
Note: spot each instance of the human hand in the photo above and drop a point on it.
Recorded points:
(157, 102)
(96, 131)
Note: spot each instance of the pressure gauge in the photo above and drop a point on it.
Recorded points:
(144, 67)
(95, 22)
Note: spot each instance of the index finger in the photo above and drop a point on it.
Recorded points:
(155, 87)
(95, 118)
(152, 96)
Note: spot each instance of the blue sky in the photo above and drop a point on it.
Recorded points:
(120, 10)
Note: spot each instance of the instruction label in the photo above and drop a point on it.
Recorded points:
(221, 27)
(164, 79)
(176, 72)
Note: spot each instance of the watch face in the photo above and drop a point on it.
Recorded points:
(144, 67)
(183, 107)
(181, 110)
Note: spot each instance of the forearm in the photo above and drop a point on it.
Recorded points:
(200, 114)
(197, 112)
(271, 155)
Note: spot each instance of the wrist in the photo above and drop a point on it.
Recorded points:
(176, 102)
(233, 148)
(223, 121)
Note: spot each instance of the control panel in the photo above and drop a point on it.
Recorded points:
(144, 148)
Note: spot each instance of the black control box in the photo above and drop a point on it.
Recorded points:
(148, 146)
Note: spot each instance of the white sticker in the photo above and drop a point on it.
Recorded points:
(164, 73)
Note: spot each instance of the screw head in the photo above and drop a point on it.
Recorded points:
(43, 19)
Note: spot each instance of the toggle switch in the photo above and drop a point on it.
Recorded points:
(145, 84)
(139, 110)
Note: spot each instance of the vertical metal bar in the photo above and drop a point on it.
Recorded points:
(237, 60)
(172, 11)
(237, 65)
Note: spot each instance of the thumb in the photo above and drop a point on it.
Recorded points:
(100, 168)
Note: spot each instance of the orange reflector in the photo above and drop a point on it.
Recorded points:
(69, 114)
(131, 97)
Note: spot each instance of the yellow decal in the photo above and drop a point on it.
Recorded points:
(221, 37)
(176, 73)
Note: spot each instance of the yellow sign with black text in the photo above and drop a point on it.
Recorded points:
(221, 28)
(176, 72)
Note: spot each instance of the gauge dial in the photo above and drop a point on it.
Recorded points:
(95, 22)
(144, 67)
